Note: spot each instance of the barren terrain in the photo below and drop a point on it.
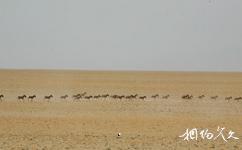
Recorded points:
(149, 123)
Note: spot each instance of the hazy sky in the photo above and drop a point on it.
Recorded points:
(187, 35)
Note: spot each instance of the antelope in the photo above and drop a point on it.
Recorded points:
(21, 97)
(48, 97)
(142, 97)
(228, 98)
(187, 96)
(134, 96)
(214, 97)
(201, 96)
(238, 98)
(64, 96)
(128, 97)
(1, 96)
(114, 96)
(120, 96)
(31, 97)
(105, 95)
(77, 95)
(166, 96)
(96, 96)
(88, 97)
(155, 96)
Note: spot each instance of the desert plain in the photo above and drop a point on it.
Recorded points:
(149, 123)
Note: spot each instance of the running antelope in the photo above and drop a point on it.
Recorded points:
(31, 97)
(77, 95)
(214, 97)
(21, 97)
(1, 97)
(238, 98)
(48, 97)
(64, 96)
(97, 96)
(201, 96)
(228, 98)
(142, 97)
(105, 95)
(115, 96)
(134, 96)
(128, 97)
(155, 96)
(120, 96)
(166, 96)
(187, 96)
(88, 97)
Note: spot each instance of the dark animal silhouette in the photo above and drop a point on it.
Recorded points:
(21, 97)
(31, 98)
(97, 96)
(166, 96)
(105, 95)
(187, 96)
(201, 96)
(134, 96)
(88, 97)
(120, 96)
(214, 97)
(115, 96)
(48, 97)
(228, 98)
(238, 98)
(155, 96)
(78, 96)
(64, 96)
(128, 97)
(1, 97)
(142, 97)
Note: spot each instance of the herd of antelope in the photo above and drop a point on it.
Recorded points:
(84, 95)
(228, 98)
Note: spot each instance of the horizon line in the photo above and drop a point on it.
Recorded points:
(114, 70)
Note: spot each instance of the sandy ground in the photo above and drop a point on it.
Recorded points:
(94, 124)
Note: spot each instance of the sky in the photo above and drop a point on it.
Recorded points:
(157, 35)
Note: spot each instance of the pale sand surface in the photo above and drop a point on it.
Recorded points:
(94, 124)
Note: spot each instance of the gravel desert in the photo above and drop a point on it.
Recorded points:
(141, 110)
